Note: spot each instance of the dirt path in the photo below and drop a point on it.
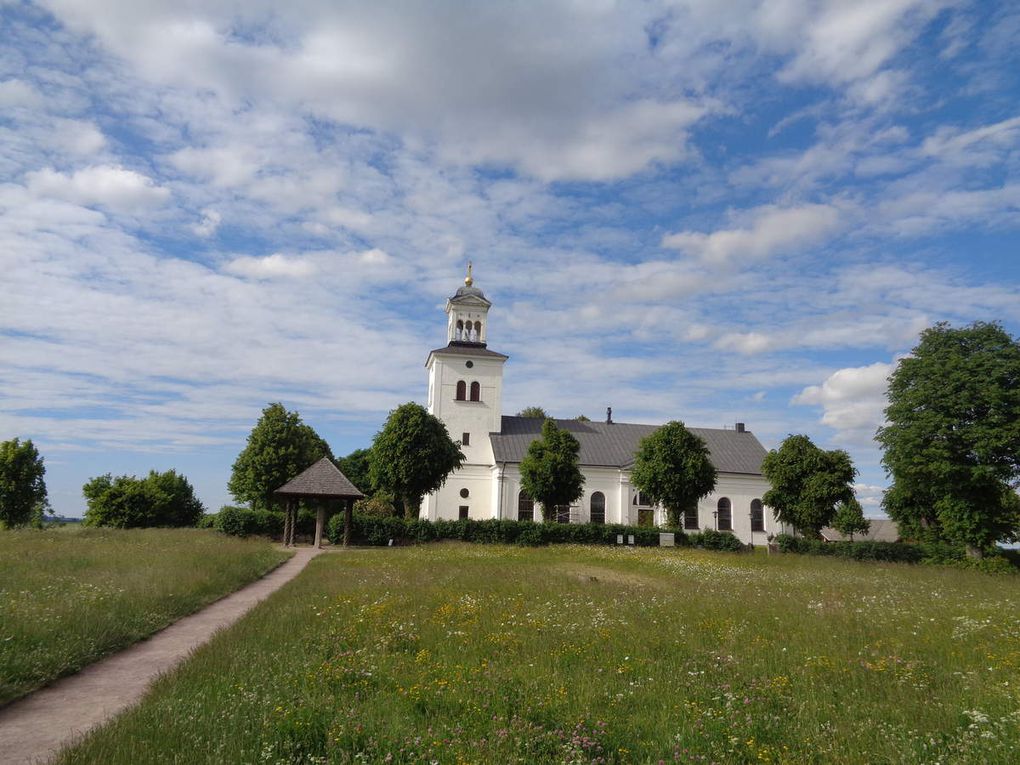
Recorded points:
(35, 728)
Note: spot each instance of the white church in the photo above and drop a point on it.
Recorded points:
(465, 388)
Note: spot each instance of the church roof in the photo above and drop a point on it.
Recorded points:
(477, 350)
(466, 293)
(323, 479)
(615, 444)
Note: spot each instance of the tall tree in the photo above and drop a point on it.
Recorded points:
(357, 467)
(533, 413)
(550, 471)
(279, 447)
(412, 455)
(807, 483)
(674, 466)
(952, 438)
(22, 488)
(849, 519)
(159, 499)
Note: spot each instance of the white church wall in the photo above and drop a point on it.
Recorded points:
(477, 418)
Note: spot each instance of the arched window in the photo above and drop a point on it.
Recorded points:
(757, 516)
(478, 331)
(476, 392)
(562, 513)
(460, 330)
(598, 507)
(525, 507)
(724, 515)
(461, 390)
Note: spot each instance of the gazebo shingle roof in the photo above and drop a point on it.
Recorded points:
(323, 479)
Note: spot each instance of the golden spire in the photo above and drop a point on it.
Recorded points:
(468, 281)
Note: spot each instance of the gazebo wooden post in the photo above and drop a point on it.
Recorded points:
(320, 522)
(348, 510)
(286, 523)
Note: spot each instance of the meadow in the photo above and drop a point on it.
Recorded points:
(456, 653)
(71, 596)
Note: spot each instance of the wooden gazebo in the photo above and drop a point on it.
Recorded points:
(321, 482)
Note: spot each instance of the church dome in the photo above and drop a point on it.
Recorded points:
(471, 291)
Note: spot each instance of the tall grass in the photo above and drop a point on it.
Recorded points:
(458, 653)
(70, 596)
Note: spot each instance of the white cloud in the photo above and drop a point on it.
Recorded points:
(771, 230)
(271, 267)
(18, 93)
(210, 222)
(853, 400)
(745, 342)
(111, 187)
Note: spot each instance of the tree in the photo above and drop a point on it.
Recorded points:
(279, 447)
(22, 488)
(357, 467)
(412, 455)
(550, 471)
(807, 483)
(159, 499)
(952, 438)
(674, 466)
(849, 519)
(533, 413)
(583, 418)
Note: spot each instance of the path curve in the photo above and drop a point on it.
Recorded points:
(34, 729)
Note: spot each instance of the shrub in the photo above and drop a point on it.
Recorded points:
(245, 522)
(159, 499)
(709, 539)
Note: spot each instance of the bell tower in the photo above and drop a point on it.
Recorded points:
(467, 314)
(466, 377)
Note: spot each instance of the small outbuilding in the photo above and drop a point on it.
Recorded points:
(321, 483)
(881, 530)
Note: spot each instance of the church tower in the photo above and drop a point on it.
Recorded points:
(465, 391)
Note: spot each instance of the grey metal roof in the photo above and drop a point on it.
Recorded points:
(323, 479)
(616, 444)
(469, 292)
(882, 530)
(469, 349)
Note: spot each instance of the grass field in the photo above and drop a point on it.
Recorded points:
(456, 653)
(70, 596)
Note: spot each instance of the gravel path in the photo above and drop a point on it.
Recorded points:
(34, 729)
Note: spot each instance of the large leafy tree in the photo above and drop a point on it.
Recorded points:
(807, 483)
(22, 488)
(550, 471)
(674, 466)
(357, 467)
(952, 438)
(159, 499)
(849, 519)
(412, 455)
(279, 447)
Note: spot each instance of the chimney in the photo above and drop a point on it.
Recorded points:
(609, 415)
(740, 427)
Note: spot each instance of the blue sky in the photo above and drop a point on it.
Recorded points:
(714, 212)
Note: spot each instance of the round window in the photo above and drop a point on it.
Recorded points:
(469, 364)
(464, 493)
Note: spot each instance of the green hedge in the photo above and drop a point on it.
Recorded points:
(373, 530)
(896, 552)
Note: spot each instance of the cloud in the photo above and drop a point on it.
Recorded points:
(770, 230)
(271, 267)
(853, 400)
(111, 187)
(210, 222)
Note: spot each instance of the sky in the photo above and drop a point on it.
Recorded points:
(705, 211)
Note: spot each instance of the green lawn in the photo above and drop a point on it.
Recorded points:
(70, 596)
(455, 653)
